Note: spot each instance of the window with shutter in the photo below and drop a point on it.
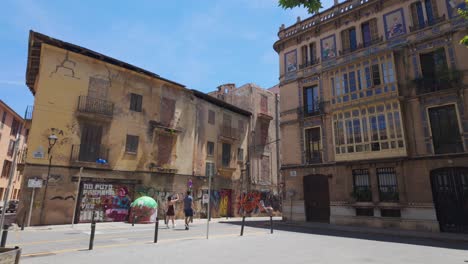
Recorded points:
(136, 101)
(240, 154)
(3, 119)
(304, 55)
(211, 117)
(313, 52)
(373, 29)
(132, 144)
(375, 75)
(345, 40)
(11, 148)
(6, 168)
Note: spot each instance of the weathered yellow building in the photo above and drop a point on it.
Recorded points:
(133, 132)
(374, 118)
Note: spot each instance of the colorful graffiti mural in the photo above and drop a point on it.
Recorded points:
(255, 202)
(110, 202)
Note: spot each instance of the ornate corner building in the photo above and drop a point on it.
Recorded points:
(374, 120)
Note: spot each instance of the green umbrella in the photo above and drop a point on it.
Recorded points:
(145, 201)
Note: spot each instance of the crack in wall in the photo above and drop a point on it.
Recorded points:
(63, 65)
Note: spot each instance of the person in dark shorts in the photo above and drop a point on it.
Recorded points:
(170, 210)
(188, 209)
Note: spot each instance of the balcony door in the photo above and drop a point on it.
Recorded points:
(90, 145)
(311, 100)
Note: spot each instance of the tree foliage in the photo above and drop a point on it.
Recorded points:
(312, 6)
(464, 13)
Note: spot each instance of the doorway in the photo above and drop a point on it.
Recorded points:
(316, 198)
(450, 194)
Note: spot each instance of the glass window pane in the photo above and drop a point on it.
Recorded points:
(374, 131)
(382, 127)
(349, 132)
(345, 83)
(364, 129)
(357, 130)
(391, 126)
(396, 117)
(352, 81)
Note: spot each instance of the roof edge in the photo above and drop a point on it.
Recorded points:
(220, 103)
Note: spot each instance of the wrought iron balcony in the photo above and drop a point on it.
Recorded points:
(388, 193)
(89, 153)
(92, 105)
(315, 108)
(362, 194)
(314, 158)
(372, 42)
(443, 81)
(427, 23)
(309, 63)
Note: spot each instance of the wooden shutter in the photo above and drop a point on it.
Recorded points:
(132, 144)
(304, 54)
(414, 15)
(167, 111)
(345, 40)
(313, 52)
(211, 117)
(435, 10)
(226, 155)
(373, 29)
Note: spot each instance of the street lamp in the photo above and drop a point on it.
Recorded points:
(52, 140)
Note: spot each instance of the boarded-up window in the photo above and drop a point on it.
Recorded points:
(211, 117)
(97, 88)
(264, 104)
(265, 169)
(167, 111)
(136, 101)
(165, 143)
(131, 144)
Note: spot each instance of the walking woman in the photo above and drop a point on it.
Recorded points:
(170, 210)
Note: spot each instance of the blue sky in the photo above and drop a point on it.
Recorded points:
(201, 44)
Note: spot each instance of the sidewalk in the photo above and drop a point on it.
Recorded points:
(451, 237)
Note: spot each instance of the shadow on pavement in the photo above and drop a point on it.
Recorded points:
(278, 225)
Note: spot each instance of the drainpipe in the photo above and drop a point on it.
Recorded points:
(278, 161)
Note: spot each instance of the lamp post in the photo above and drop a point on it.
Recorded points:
(52, 140)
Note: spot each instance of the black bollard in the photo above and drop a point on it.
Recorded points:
(134, 219)
(4, 236)
(24, 221)
(93, 229)
(243, 224)
(156, 230)
(271, 224)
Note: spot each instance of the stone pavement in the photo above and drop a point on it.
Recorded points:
(259, 246)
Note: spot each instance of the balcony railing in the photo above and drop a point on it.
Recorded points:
(92, 105)
(314, 108)
(89, 153)
(373, 41)
(429, 84)
(314, 157)
(229, 132)
(309, 63)
(28, 113)
(427, 23)
(388, 193)
(362, 194)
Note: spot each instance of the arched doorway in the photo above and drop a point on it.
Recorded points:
(316, 198)
(450, 194)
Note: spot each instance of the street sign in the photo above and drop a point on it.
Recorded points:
(35, 183)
